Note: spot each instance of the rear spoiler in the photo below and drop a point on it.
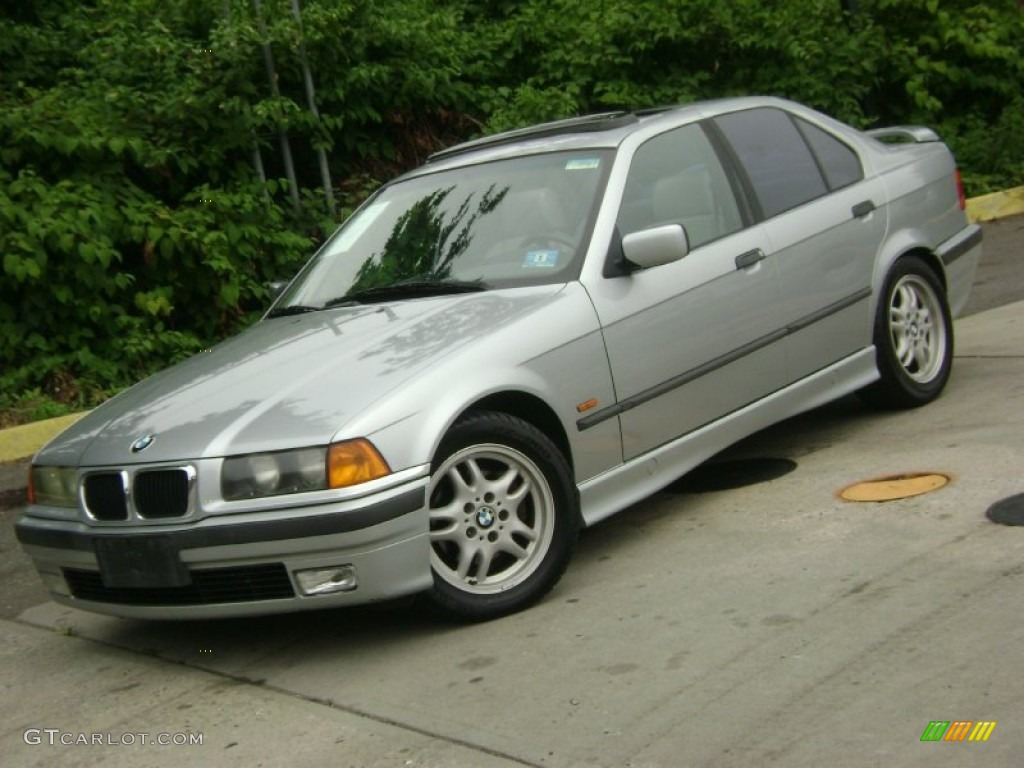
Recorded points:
(903, 134)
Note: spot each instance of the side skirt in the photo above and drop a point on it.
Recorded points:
(611, 491)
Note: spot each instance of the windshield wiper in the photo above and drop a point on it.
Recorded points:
(404, 290)
(294, 309)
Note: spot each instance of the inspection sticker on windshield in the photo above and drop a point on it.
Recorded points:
(583, 164)
(544, 259)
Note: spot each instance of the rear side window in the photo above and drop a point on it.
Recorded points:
(676, 178)
(839, 163)
(777, 160)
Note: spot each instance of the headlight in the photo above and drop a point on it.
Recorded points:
(268, 474)
(305, 469)
(54, 486)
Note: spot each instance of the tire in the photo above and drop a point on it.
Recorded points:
(913, 338)
(504, 517)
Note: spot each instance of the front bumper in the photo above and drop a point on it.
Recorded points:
(235, 565)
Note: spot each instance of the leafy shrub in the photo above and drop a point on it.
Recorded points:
(142, 143)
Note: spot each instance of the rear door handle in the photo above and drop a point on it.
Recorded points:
(860, 210)
(749, 259)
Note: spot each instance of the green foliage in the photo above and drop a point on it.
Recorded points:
(992, 154)
(958, 66)
(31, 405)
(561, 57)
(135, 228)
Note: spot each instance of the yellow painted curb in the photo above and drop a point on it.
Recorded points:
(23, 441)
(998, 205)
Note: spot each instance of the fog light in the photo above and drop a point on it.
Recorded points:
(324, 581)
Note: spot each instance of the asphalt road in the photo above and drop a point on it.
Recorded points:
(1000, 276)
(766, 625)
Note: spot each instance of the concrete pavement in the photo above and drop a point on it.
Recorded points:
(57, 682)
(768, 625)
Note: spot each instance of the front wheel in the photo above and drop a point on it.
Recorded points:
(504, 516)
(913, 338)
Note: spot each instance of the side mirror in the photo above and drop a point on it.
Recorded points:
(276, 288)
(656, 246)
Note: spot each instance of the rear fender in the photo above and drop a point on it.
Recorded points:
(897, 245)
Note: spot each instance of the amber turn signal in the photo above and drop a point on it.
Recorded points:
(353, 462)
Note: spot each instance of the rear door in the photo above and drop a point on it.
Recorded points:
(823, 220)
(692, 340)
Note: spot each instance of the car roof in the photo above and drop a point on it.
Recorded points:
(600, 131)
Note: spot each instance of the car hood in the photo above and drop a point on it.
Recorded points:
(285, 382)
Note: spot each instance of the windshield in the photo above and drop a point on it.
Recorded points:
(522, 221)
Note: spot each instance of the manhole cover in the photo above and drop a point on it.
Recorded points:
(725, 475)
(1009, 511)
(894, 487)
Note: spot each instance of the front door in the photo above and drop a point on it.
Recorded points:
(693, 340)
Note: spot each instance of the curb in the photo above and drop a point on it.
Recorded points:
(997, 205)
(23, 441)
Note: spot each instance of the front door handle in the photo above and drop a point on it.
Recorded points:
(860, 210)
(749, 259)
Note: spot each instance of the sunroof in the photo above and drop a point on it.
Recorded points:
(604, 121)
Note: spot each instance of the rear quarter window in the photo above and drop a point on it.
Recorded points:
(838, 162)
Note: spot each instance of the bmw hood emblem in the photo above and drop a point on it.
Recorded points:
(143, 443)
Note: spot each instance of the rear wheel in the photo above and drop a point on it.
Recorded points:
(913, 338)
(503, 516)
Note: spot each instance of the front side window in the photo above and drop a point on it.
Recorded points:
(775, 156)
(676, 178)
(522, 221)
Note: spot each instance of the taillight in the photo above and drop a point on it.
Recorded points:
(31, 486)
(960, 189)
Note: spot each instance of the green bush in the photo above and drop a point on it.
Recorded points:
(135, 228)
